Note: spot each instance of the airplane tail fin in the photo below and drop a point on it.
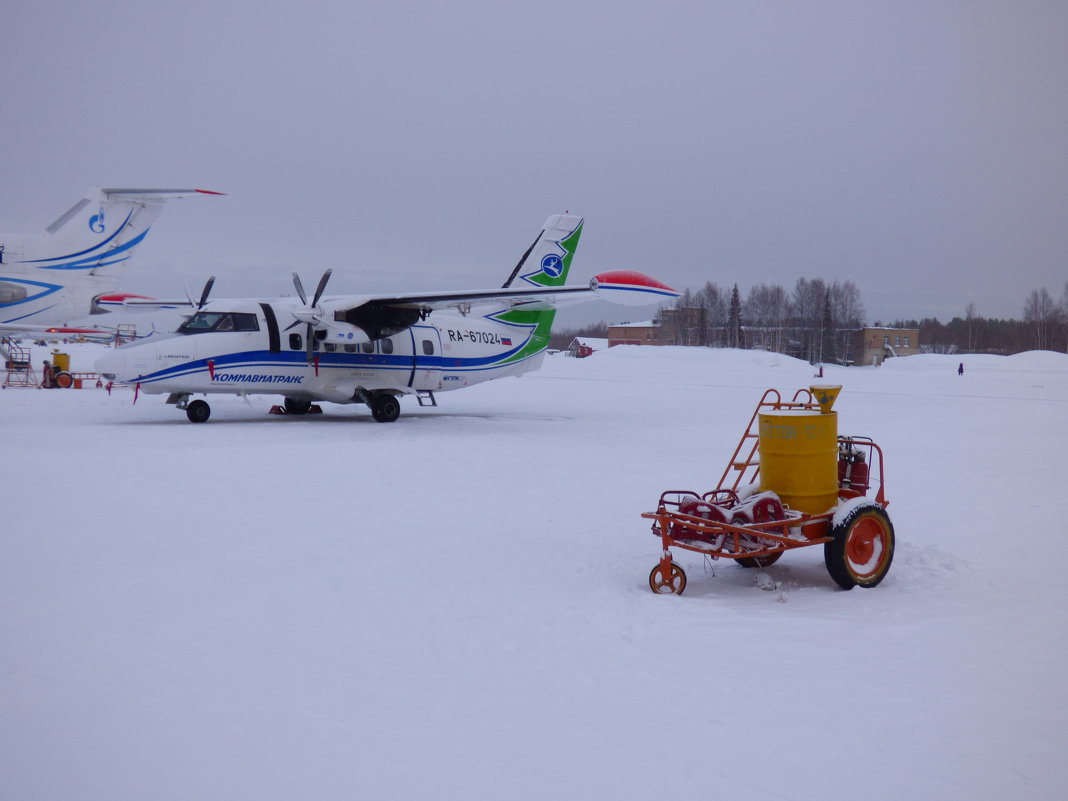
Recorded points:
(545, 264)
(99, 234)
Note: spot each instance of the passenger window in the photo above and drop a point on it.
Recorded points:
(330, 347)
(428, 347)
(387, 345)
(350, 348)
(367, 347)
(296, 342)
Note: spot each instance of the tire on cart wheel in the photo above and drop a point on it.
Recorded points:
(861, 548)
(759, 561)
(676, 584)
(385, 408)
(198, 411)
(63, 380)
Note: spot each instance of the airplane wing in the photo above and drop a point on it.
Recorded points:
(378, 316)
(14, 329)
(134, 302)
(619, 286)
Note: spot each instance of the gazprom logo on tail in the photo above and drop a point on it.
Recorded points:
(96, 222)
(552, 265)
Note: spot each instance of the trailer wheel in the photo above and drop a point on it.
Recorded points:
(63, 379)
(861, 549)
(675, 584)
(198, 411)
(759, 561)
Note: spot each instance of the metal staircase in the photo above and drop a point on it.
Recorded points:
(18, 365)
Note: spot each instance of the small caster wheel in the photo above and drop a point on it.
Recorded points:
(662, 585)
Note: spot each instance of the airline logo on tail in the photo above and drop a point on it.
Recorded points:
(552, 265)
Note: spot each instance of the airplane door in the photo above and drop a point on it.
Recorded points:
(426, 357)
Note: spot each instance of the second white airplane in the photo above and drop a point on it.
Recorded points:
(71, 270)
(372, 349)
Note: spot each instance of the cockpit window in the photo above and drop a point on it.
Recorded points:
(202, 322)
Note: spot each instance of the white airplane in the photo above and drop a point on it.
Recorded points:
(371, 349)
(71, 269)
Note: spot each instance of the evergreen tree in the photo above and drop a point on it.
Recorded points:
(734, 320)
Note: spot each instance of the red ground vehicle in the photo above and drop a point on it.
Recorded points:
(751, 521)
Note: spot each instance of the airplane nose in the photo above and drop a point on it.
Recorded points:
(126, 365)
(112, 366)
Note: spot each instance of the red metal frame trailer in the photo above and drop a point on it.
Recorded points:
(814, 490)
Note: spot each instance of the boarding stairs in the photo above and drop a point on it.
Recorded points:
(18, 365)
(126, 332)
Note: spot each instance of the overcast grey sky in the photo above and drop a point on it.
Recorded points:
(919, 149)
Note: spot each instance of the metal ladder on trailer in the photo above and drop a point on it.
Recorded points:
(745, 459)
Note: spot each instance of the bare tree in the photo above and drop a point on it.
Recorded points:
(806, 312)
(969, 318)
(765, 313)
(1042, 313)
(847, 315)
(714, 301)
(1064, 318)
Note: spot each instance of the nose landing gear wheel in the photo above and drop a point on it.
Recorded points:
(861, 549)
(198, 411)
(675, 583)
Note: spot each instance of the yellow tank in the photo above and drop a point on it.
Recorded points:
(799, 458)
(61, 361)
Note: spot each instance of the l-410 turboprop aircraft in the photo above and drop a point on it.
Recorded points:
(372, 349)
(71, 269)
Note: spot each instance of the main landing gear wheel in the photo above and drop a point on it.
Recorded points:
(861, 549)
(676, 583)
(296, 406)
(385, 408)
(198, 411)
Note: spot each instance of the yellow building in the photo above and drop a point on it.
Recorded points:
(876, 345)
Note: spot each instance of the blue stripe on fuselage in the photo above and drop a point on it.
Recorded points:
(264, 359)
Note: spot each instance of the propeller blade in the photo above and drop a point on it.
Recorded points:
(300, 289)
(207, 291)
(322, 285)
(311, 342)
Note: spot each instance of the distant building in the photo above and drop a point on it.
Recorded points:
(581, 347)
(634, 334)
(674, 327)
(876, 345)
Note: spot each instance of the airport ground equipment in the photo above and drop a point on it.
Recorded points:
(792, 482)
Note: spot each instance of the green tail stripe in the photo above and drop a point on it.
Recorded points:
(542, 321)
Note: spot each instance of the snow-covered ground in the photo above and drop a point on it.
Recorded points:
(455, 605)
